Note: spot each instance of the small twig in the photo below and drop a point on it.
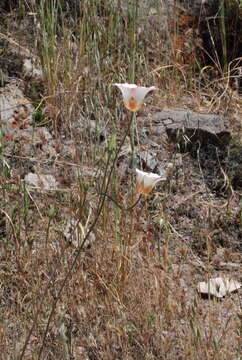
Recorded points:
(189, 197)
(108, 288)
(120, 206)
(214, 206)
(14, 42)
(28, 192)
(17, 249)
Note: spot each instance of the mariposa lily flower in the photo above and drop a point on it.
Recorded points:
(134, 95)
(146, 181)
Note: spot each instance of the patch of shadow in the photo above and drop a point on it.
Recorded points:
(221, 167)
(11, 64)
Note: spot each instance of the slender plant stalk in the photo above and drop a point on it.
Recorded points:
(132, 135)
(68, 275)
(120, 206)
(223, 35)
(133, 57)
(52, 278)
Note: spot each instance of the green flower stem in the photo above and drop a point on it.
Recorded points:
(132, 136)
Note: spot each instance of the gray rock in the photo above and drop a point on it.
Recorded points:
(41, 181)
(74, 233)
(148, 159)
(187, 128)
(11, 100)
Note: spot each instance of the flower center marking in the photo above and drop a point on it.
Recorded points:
(132, 103)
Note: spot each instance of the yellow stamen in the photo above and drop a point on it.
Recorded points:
(143, 190)
(132, 105)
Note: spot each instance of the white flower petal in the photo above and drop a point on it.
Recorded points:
(140, 174)
(126, 85)
(142, 91)
(151, 179)
(147, 179)
(134, 95)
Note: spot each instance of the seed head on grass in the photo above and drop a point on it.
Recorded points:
(134, 95)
